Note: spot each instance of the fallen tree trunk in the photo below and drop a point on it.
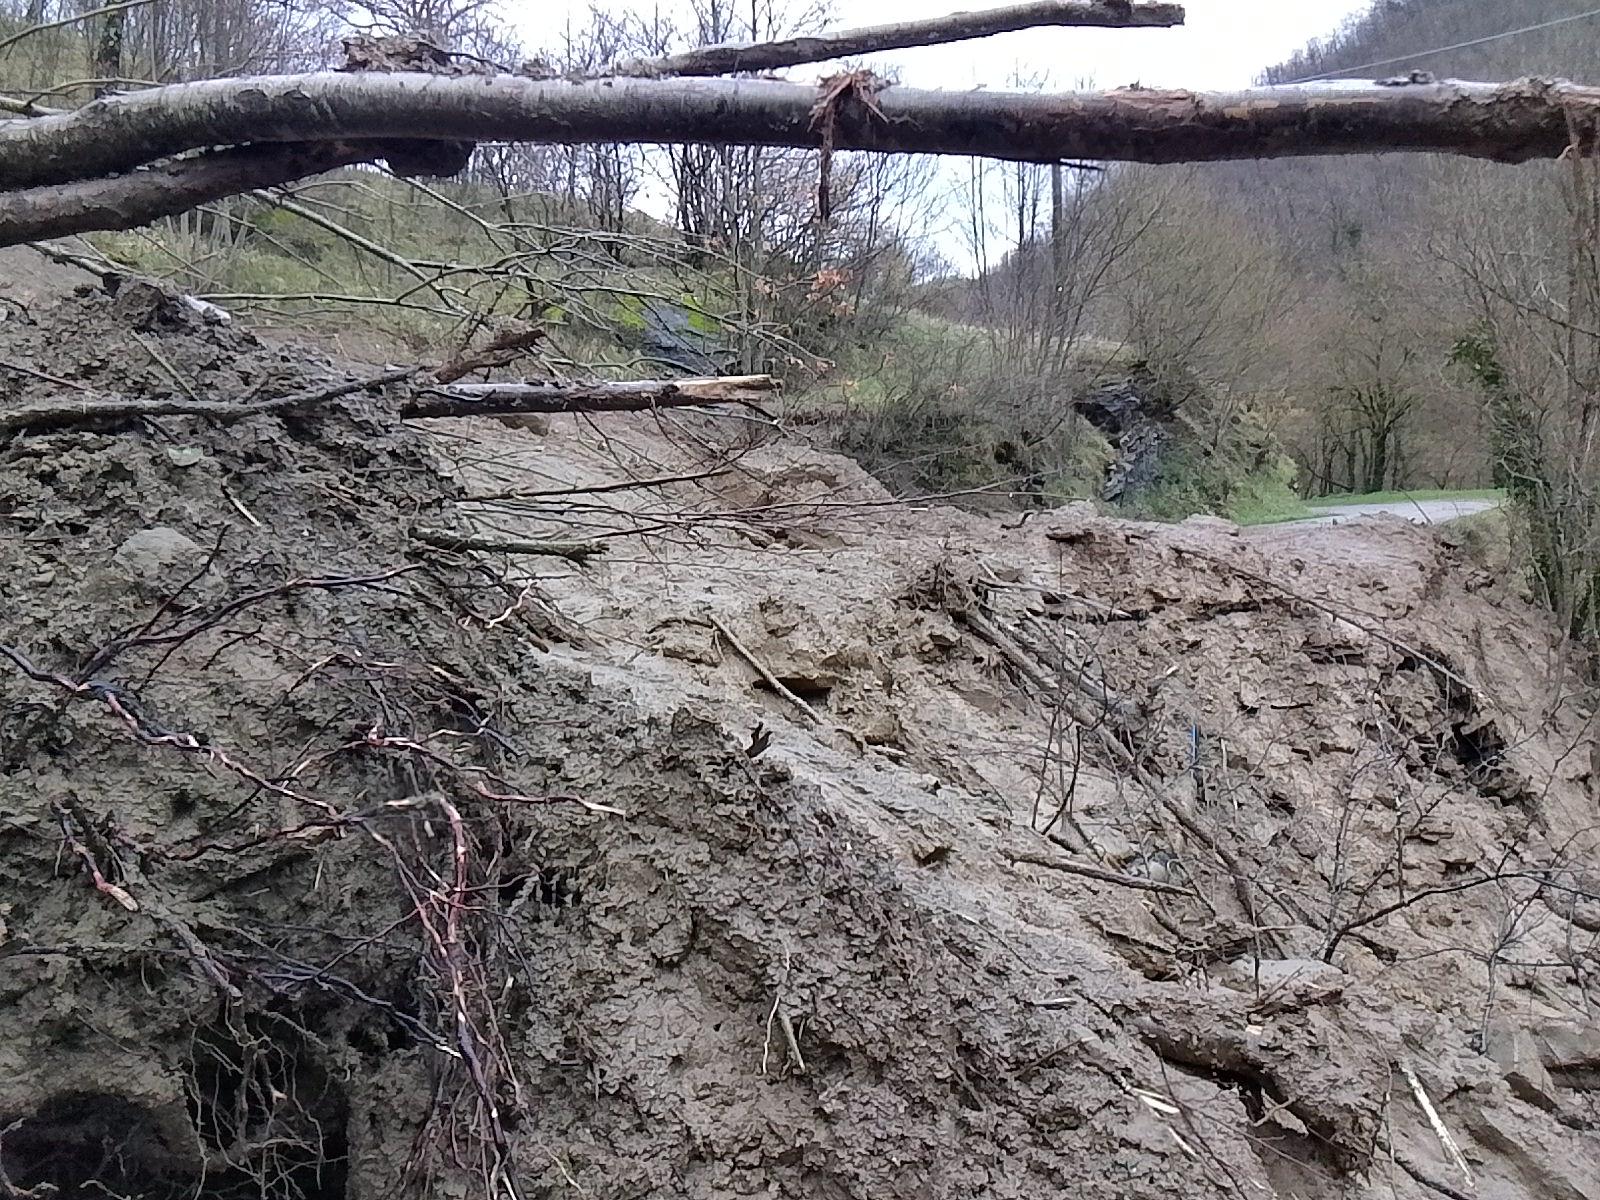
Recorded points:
(483, 399)
(165, 189)
(456, 400)
(1510, 122)
(728, 58)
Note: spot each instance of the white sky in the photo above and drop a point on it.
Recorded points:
(1223, 44)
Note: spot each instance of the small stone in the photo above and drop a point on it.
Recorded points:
(151, 551)
(185, 456)
(535, 423)
(687, 641)
(159, 560)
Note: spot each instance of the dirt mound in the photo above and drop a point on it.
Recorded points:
(801, 845)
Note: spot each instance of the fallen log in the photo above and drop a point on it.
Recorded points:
(112, 411)
(1508, 122)
(728, 58)
(481, 399)
(455, 400)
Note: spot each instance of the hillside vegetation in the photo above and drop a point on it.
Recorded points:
(1448, 308)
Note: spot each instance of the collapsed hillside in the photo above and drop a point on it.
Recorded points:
(800, 844)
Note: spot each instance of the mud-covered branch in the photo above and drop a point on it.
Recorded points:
(728, 58)
(454, 400)
(1511, 122)
(123, 410)
(447, 539)
(477, 399)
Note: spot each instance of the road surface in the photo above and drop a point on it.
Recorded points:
(1423, 512)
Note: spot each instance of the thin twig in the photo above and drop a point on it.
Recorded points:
(1440, 1129)
(75, 18)
(771, 680)
(6, 365)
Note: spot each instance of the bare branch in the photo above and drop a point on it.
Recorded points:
(728, 58)
(74, 19)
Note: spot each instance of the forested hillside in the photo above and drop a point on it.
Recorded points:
(1445, 310)
(1387, 250)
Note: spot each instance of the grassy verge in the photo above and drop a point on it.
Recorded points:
(1492, 494)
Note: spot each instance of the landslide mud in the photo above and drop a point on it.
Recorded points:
(1107, 860)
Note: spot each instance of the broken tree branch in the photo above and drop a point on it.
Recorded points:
(761, 669)
(1440, 1129)
(1510, 122)
(165, 189)
(1099, 874)
(445, 539)
(38, 418)
(474, 399)
(728, 58)
(456, 400)
(112, 275)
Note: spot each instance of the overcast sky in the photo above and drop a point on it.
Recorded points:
(1223, 44)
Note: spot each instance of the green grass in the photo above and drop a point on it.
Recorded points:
(1269, 508)
(1402, 497)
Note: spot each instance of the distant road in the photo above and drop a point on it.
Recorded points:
(1422, 512)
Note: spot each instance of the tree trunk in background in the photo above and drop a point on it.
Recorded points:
(1058, 238)
(108, 51)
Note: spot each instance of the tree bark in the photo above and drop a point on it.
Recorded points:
(455, 400)
(482, 399)
(304, 124)
(936, 31)
(108, 50)
(163, 190)
(1510, 122)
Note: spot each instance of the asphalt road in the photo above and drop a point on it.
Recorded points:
(1422, 512)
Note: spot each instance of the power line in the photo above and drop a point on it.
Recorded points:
(1483, 41)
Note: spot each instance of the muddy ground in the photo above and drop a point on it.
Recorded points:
(801, 844)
